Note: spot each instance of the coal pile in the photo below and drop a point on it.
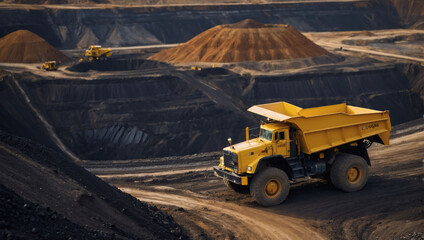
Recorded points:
(117, 65)
(45, 195)
(247, 40)
(217, 71)
(21, 219)
(24, 46)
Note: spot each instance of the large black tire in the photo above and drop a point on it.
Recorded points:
(236, 187)
(349, 172)
(270, 186)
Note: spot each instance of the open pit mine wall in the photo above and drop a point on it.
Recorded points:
(70, 28)
(138, 117)
(387, 88)
(411, 12)
(134, 117)
(17, 117)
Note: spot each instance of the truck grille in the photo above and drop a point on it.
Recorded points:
(230, 160)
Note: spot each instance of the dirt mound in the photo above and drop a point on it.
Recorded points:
(247, 40)
(247, 23)
(46, 196)
(24, 46)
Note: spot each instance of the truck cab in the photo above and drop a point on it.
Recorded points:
(244, 158)
(277, 134)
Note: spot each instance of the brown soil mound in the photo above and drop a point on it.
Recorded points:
(244, 41)
(247, 23)
(24, 46)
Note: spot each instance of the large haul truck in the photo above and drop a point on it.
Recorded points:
(97, 52)
(296, 144)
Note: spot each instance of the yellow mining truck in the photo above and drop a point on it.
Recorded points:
(295, 144)
(96, 52)
(49, 66)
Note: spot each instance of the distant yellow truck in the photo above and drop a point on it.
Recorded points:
(295, 144)
(97, 52)
(49, 66)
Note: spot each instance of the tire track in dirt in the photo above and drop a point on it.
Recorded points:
(243, 221)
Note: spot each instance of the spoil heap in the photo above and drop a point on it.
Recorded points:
(44, 195)
(24, 46)
(247, 40)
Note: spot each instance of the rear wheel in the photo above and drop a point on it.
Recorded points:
(236, 187)
(270, 186)
(349, 172)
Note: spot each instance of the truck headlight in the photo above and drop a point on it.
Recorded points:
(249, 168)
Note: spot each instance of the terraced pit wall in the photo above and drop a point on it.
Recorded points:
(133, 117)
(125, 26)
(140, 117)
(398, 88)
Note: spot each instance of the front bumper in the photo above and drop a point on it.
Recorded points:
(232, 177)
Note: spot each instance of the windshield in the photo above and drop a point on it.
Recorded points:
(265, 134)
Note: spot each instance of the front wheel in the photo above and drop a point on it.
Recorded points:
(349, 172)
(270, 186)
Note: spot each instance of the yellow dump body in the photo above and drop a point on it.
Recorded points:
(325, 127)
(97, 52)
(49, 66)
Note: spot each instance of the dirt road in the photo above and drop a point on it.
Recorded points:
(391, 206)
(229, 219)
(394, 44)
(368, 51)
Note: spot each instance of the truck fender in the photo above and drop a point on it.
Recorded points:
(332, 157)
(277, 161)
(359, 150)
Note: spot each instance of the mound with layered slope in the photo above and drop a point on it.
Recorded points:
(44, 195)
(24, 46)
(247, 40)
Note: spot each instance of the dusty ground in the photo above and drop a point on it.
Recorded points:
(389, 207)
(394, 44)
